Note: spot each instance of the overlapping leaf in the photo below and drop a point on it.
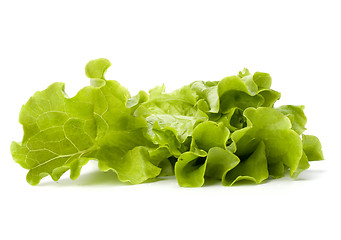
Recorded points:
(227, 130)
(208, 156)
(59, 134)
(171, 117)
(312, 147)
(283, 145)
(253, 168)
(122, 145)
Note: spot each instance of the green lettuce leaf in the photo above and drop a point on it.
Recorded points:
(96, 68)
(62, 133)
(190, 169)
(122, 145)
(296, 115)
(59, 134)
(263, 80)
(138, 99)
(312, 147)
(208, 135)
(220, 162)
(303, 165)
(261, 83)
(208, 95)
(227, 131)
(193, 167)
(233, 119)
(208, 156)
(270, 97)
(162, 158)
(235, 92)
(283, 145)
(253, 168)
(171, 117)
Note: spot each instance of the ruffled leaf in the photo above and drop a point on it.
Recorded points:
(303, 165)
(208, 135)
(233, 119)
(59, 134)
(270, 97)
(296, 115)
(244, 73)
(253, 168)
(234, 92)
(208, 93)
(193, 167)
(190, 169)
(122, 144)
(96, 68)
(263, 80)
(138, 99)
(312, 147)
(274, 129)
(171, 117)
(133, 166)
(220, 162)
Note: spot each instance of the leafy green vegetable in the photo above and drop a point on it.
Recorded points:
(296, 116)
(208, 135)
(224, 130)
(65, 133)
(312, 147)
(274, 129)
(192, 167)
(234, 92)
(233, 119)
(263, 80)
(96, 68)
(59, 134)
(208, 94)
(122, 145)
(171, 117)
(253, 168)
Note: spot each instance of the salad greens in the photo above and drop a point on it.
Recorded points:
(226, 130)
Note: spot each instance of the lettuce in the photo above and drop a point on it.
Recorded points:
(224, 130)
(59, 134)
(271, 127)
(171, 117)
(312, 147)
(253, 168)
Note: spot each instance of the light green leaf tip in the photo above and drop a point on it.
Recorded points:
(96, 68)
(234, 92)
(263, 80)
(208, 93)
(312, 147)
(296, 115)
(208, 135)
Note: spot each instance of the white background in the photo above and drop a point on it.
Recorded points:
(172, 42)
